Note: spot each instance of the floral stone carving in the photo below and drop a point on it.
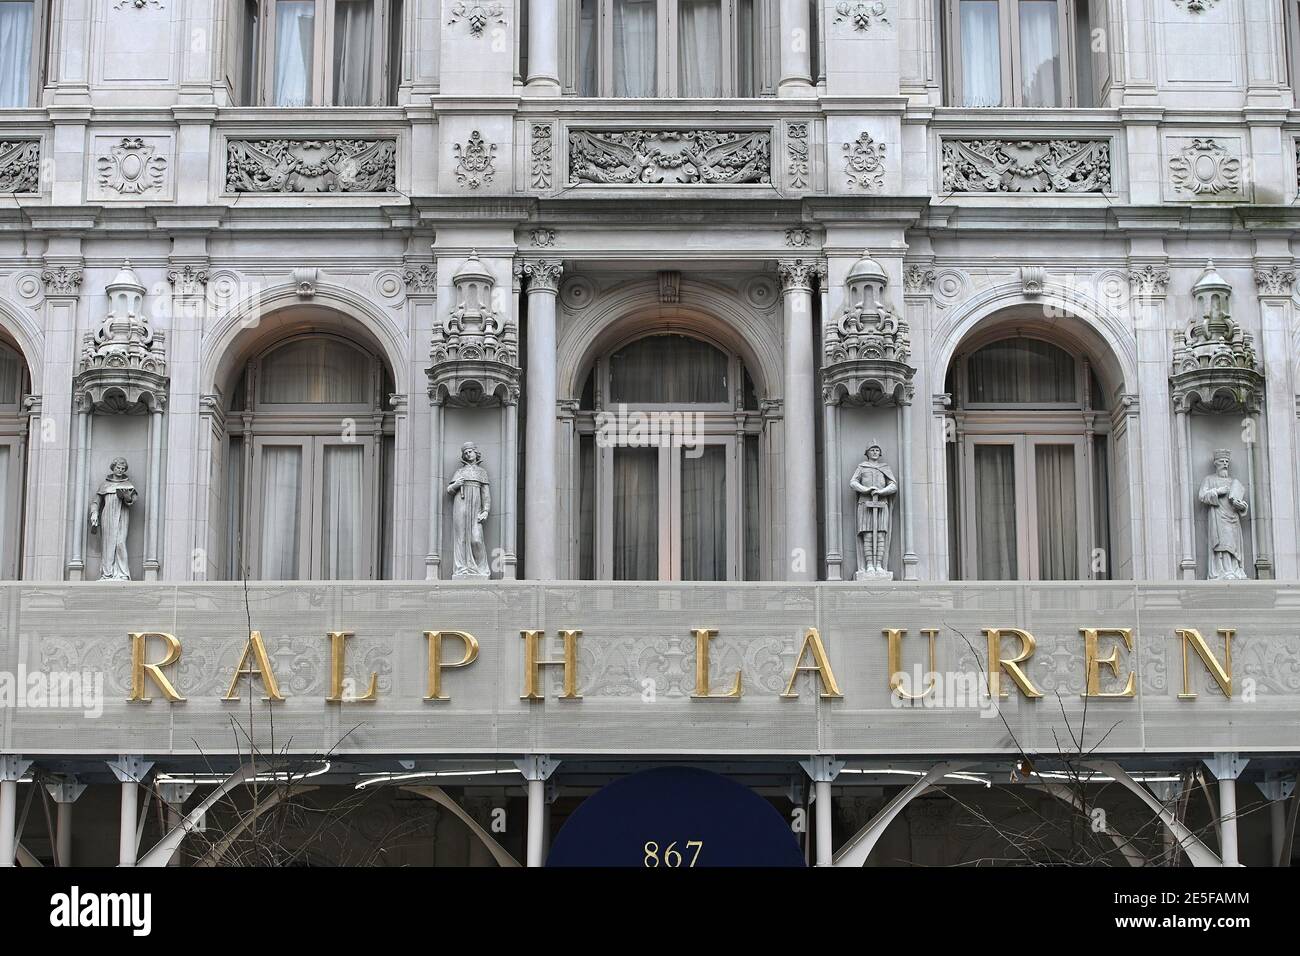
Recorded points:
(1026, 166)
(864, 163)
(475, 161)
(665, 156)
(131, 167)
(1204, 167)
(20, 166)
(311, 166)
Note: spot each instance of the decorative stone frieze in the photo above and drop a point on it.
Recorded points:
(1205, 167)
(862, 14)
(1195, 6)
(867, 346)
(477, 16)
(1026, 166)
(475, 161)
(20, 166)
(1215, 365)
(542, 238)
(798, 237)
(311, 166)
(541, 155)
(132, 167)
(474, 352)
(705, 157)
(796, 147)
(864, 163)
(543, 274)
(124, 362)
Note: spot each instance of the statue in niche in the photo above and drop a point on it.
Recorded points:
(875, 484)
(108, 510)
(473, 501)
(1225, 498)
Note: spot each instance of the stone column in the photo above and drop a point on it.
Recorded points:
(153, 503)
(834, 482)
(49, 528)
(543, 48)
(796, 50)
(433, 560)
(509, 489)
(905, 485)
(1274, 285)
(1153, 517)
(77, 554)
(799, 387)
(543, 277)
(1187, 491)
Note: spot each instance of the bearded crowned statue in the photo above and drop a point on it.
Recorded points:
(876, 486)
(1225, 497)
(472, 502)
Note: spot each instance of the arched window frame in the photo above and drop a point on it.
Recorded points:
(253, 424)
(1083, 423)
(730, 424)
(14, 425)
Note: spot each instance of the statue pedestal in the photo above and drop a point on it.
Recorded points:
(873, 575)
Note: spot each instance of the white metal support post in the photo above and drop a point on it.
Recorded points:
(130, 772)
(1227, 767)
(1277, 789)
(11, 768)
(823, 771)
(65, 794)
(537, 769)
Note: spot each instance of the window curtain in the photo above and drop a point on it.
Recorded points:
(745, 66)
(981, 59)
(634, 47)
(1101, 504)
(16, 20)
(315, 371)
(354, 52)
(586, 508)
(704, 514)
(295, 42)
(1040, 53)
(636, 514)
(699, 42)
(995, 506)
(386, 512)
(753, 536)
(7, 547)
(342, 523)
(666, 369)
(1058, 516)
(11, 377)
(587, 45)
(1022, 371)
(281, 494)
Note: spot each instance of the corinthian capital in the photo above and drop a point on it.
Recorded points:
(800, 274)
(543, 275)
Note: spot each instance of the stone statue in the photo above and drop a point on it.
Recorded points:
(108, 510)
(875, 484)
(1226, 499)
(473, 500)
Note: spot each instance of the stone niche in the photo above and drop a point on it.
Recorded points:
(866, 390)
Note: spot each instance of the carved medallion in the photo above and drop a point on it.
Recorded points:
(131, 167)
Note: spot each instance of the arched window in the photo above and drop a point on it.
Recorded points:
(1028, 474)
(311, 463)
(13, 446)
(669, 485)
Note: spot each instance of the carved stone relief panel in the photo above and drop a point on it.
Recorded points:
(703, 157)
(311, 166)
(132, 168)
(1205, 168)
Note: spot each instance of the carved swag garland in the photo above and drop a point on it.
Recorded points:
(697, 157)
(311, 166)
(1026, 166)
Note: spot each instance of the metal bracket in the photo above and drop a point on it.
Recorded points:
(1276, 786)
(12, 767)
(537, 766)
(822, 769)
(1226, 766)
(66, 790)
(175, 794)
(406, 764)
(129, 768)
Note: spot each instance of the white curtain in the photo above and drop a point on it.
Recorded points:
(699, 47)
(1022, 371)
(662, 369)
(354, 52)
(1058, 527)
(704, 514)
(16, 53)
(295, 42)
(634, 47)
(636, 514)
(7, 547)
(314, 371)
(1040, 53)
(587, 507)
(11, 376)
(745, 85)
(587, 46)
(342, 520)
(753, 566)
(281, 501)
(995, 508)
(981, 60)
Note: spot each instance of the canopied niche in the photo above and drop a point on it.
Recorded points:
(120, 395)
(474, 393)
(866, 391)
(1218, 389)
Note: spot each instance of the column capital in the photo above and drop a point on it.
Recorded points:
(1274, 281)
(798, 275)
(1148, 281)
(543, 275)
